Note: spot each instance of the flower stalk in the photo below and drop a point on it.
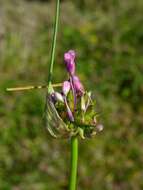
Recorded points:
(74, 163)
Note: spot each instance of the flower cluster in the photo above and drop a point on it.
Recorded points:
(71, 111)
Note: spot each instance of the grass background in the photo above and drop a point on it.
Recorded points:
(107, 36)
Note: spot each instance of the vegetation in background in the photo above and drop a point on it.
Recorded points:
(108, 36)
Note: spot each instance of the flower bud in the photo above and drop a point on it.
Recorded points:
(78, 85)
(72, 53)
(69, 59)
(83, 107)
(69, 112)
(66, 87)
(53, 98)
(95, 120)
(99, 127)
(70, 115)
(58, 97)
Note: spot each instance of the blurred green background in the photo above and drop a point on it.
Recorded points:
(108, 38)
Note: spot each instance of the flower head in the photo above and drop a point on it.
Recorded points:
(69, 58)
(71, 112)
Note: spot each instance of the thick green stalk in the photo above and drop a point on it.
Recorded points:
(74, 162)
(52, 58)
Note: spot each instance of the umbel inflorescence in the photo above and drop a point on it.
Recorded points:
(72, 110)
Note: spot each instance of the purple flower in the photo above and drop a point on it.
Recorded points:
(66, 87)
(69, 58)
(78, 85)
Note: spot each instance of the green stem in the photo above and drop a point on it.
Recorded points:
(52, 58)
(74, 161)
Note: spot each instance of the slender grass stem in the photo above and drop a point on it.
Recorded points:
(31, 87)
(74, 163)
(52, 59)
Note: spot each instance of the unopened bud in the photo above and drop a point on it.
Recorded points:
(99, 127)
(78, 85)
(66, 87)
(58, 97)
(95, 120)
(69, 59)
(69, 112)
(83, 107)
